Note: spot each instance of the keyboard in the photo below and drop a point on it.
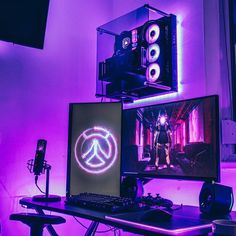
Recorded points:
(102, 202)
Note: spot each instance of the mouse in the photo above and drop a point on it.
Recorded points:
(156, 215)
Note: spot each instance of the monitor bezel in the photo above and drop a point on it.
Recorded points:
(69, 150)
(179, 177)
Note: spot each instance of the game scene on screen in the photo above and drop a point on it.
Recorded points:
(175, 139)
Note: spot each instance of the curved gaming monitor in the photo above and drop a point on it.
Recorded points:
(178, 140)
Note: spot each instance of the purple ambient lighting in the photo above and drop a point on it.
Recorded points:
(4, 46)
(180, 231)
(180, 53)
(152, 33)
(95, 150)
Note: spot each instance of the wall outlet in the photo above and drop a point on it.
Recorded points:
(228, 132)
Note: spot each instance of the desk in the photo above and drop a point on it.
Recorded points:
(185, 221)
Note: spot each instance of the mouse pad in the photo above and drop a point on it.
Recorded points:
(174, 226)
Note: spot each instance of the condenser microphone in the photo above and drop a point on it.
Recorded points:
(39, 166)
(39, 157)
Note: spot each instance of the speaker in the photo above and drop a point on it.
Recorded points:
(131, 187)
(216, 199)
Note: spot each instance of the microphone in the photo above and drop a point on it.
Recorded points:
(39, 157)
(38, 166)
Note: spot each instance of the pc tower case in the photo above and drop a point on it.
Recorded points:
(137, 55)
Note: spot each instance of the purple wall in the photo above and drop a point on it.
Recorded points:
(36, 87)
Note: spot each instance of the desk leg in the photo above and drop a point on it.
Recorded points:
(92, 229)
(50, 229)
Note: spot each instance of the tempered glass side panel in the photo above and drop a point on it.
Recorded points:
(136, 55)
(106, 35)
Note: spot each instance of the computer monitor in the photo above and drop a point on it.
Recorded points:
(178, 140)
(94, 148)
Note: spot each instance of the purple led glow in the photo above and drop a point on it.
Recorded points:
(125, 42)
(134, 36)
(179, 53)
(152, 33)
(184, 134)
(180, 231)
(149, 100)
(152, 72)
(4, 47)
(153, 52)
(95, 150)
(26, 111)
(163, 120)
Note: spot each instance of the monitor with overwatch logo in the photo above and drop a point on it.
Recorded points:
(178, 140)
(94, 148)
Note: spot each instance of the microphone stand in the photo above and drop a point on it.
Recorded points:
(48, 168)
(47, 197)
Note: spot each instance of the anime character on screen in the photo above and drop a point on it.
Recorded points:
(162, 140)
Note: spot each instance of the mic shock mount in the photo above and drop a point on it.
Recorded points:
(47, 197)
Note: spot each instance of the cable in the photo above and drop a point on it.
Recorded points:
(98, 231)
(102, 90)
(108, 230)
(36, 183)
(80, 223)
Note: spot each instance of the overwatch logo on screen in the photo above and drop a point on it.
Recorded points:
(95, 150)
